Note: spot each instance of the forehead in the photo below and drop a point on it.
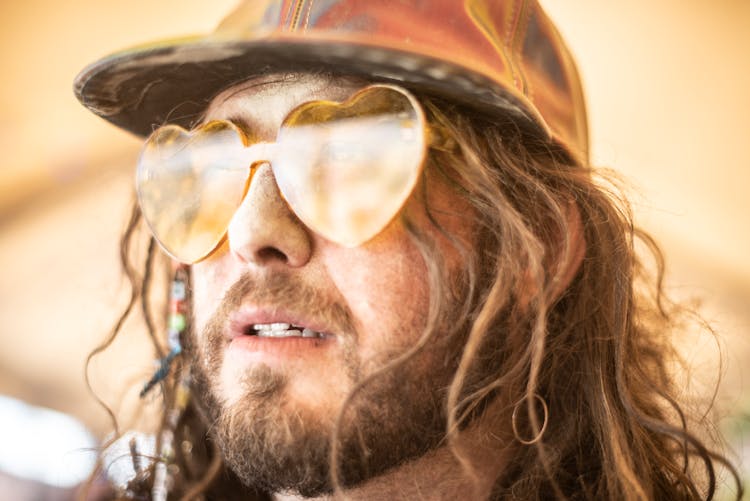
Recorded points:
(262, 103)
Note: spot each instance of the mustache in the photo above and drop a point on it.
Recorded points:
(284, 291)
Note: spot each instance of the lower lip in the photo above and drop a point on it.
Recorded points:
(262, 349)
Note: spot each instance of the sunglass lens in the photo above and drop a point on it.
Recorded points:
(189, 186)
(346, 169)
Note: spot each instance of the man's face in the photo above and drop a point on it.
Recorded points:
(276, 390)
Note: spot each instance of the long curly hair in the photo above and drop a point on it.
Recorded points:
(586, 368)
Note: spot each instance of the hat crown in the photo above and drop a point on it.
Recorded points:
(513, 42)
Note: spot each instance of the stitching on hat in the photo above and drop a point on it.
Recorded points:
(309, 10)
(516, 48)
(509, 32)
(297, 11)
(529, 84)
(288, 16)
(509, 22)
(494, 31)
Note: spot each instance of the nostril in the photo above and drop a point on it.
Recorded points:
(269, 254)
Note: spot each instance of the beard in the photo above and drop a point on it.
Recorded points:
(271, 444)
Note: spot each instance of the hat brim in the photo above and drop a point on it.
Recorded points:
(173, 82)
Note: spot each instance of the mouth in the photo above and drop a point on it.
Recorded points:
(269, 324)
(273, 337)
(282, 330)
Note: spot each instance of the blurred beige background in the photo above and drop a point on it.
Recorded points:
(667, 86)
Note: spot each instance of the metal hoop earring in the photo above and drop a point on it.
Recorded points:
(514, 419)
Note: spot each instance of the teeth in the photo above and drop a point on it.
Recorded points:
(280, 333)
(280, 330)
(279, 326)
(310, 333)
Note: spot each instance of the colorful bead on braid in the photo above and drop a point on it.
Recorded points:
(176, 326)
(177, 322)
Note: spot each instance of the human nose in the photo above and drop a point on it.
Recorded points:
(264, 231)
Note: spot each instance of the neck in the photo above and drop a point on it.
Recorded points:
(436, 475)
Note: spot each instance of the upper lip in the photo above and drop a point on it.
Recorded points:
(244, 317)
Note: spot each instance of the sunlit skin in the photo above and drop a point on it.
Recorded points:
(382, 282)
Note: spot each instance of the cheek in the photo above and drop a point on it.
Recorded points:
(209, 280)
(385, 287)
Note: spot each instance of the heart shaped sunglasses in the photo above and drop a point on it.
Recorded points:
(344, 168)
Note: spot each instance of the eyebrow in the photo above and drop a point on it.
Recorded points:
(239, 121)
(243, 123)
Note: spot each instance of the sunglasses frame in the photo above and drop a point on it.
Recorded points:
(256, 154)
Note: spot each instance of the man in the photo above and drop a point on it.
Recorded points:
(395, 275)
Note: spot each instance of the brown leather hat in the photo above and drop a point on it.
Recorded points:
(499, 56)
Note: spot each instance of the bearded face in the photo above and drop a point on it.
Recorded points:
(289, 328)
(272, 440)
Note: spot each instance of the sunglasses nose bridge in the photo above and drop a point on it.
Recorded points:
(259, 153)
(256, 156)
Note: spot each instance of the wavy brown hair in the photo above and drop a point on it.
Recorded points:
(585, 367)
